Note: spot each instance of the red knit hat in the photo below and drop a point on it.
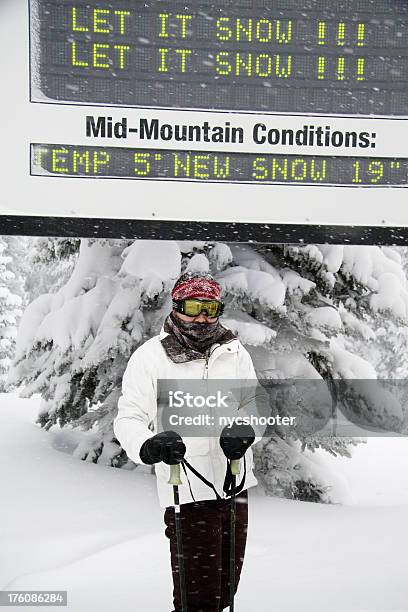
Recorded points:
(196, 285)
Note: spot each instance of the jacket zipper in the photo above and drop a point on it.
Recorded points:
(205, 374)
(213, 443)
(207, 358)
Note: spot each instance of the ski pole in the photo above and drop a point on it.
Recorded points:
(235, 469)
(175, 480)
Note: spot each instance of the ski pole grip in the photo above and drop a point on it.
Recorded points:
(175, 474)
(235, 467)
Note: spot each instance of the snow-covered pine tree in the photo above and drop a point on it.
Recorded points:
(320, 335)
(51, 262)
(10, 312)
(17, 248)
(388, 349)
(297, 309)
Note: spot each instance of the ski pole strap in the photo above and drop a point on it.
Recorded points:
(228, 489)
(228, 482)
(188, 480)
(185, 464)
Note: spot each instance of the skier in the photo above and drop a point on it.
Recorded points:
(192, 344)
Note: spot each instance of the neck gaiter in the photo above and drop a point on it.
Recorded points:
(197, 336)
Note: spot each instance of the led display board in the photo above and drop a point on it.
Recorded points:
(116, 162)
(301, 56)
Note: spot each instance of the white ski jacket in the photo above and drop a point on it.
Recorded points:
(137, 409)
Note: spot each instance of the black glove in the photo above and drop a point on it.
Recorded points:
(166, 446)
(236, 440)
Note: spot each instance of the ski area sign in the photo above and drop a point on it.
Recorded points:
(234, 111)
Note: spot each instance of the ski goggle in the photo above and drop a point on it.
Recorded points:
(193, 307)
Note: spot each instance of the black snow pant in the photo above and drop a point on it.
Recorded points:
(205, 527)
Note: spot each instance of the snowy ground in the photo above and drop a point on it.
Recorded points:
(97, 532)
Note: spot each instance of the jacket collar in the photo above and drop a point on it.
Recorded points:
(180, 354)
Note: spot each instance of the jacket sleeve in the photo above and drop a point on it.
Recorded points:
(254, 398)
(137, 406)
